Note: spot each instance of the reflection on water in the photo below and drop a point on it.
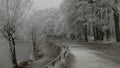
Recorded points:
(23, 50)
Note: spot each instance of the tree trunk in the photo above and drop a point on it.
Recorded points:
(85, 33)
(97, 33)
(116, 19)
(34, 48)
(13, 52)
(34, 42)
(94, 32)
(108, 33)
(85, 26)
(101, 34)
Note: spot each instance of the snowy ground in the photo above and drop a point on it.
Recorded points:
(87, 58)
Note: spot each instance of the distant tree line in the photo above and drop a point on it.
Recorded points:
(81, 20)
(92, 18)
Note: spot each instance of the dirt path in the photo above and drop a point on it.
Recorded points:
(86, 58)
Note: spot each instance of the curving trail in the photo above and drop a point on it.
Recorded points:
(86, 58)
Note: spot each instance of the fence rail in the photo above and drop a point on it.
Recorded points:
(61, 57)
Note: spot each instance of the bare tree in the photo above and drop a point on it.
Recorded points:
(12, 13)
(35, 38)
(34, 31)
(40, 25)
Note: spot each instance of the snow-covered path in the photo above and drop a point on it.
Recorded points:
(86, 58)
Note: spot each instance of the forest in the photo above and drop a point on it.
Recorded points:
(77, 27)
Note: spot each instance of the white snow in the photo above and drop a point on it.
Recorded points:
(86, 58)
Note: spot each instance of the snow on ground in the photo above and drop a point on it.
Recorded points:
(86, 58)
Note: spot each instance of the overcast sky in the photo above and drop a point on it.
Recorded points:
(43, 4)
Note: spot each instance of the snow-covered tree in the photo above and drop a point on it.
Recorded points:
(12, 13)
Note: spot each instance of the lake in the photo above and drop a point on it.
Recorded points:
(23, 50)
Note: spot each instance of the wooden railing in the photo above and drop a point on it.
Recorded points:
(60, 58)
